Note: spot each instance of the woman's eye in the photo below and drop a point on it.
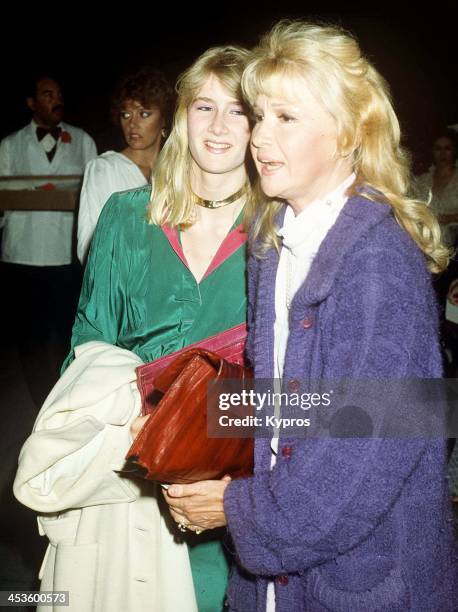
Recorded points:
(238, 111)
(204, 108)
(286, 118)
(125, 115)
(257, 117)
(145, 114)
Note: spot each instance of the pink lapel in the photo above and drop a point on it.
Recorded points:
(230, 244)
(234, 240)
(172, 236)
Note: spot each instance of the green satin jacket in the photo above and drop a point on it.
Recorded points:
(138, 292)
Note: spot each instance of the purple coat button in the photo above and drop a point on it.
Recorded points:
(287, 451)
(294, 385)
(307, 323)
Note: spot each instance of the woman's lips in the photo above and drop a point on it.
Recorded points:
(269, 167)
(217, 148)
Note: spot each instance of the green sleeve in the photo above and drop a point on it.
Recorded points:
(101, 305)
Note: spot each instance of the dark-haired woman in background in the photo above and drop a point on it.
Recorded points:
(142, 105)
(441, 182)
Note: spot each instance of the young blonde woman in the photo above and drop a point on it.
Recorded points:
(339, 287)
(166, 270)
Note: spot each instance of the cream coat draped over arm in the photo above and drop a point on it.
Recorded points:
(110, 546)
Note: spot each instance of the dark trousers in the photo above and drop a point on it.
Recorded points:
(39, 304)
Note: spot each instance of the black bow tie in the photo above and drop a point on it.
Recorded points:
(42, 132)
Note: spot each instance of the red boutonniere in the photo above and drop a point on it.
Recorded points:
(47, 187)
(65, 137)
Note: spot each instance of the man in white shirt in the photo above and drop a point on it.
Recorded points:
(37, 245)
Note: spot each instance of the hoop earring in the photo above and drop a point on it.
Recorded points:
(164, 133)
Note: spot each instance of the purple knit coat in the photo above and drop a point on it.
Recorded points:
(347, 525)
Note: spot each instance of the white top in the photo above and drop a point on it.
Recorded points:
(443, 201)
(302, 237)
(41, 238)
(107, 174)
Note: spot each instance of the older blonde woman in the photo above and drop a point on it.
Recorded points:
(339, 287)
(166, 269)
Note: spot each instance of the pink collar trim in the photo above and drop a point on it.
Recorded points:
(233, 241)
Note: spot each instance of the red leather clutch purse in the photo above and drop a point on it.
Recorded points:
(229, 345)
(173, 446)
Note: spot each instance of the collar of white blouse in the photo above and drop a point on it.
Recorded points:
(324, 211)
(302, 235)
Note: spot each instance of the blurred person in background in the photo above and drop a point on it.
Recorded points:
(41, 283)
(142, 106)
(441, 183)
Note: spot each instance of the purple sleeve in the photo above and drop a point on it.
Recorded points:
(289, 520)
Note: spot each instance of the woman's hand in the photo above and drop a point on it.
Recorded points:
(137, 424)
(199, 505)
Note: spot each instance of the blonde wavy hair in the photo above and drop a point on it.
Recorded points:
(172, 198)
(328, 62)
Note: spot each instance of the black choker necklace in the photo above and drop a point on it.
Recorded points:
(219, 203)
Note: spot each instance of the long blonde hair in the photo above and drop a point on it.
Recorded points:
(328, 61)
(171, 198)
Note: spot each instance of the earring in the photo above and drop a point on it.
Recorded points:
(164, 133)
